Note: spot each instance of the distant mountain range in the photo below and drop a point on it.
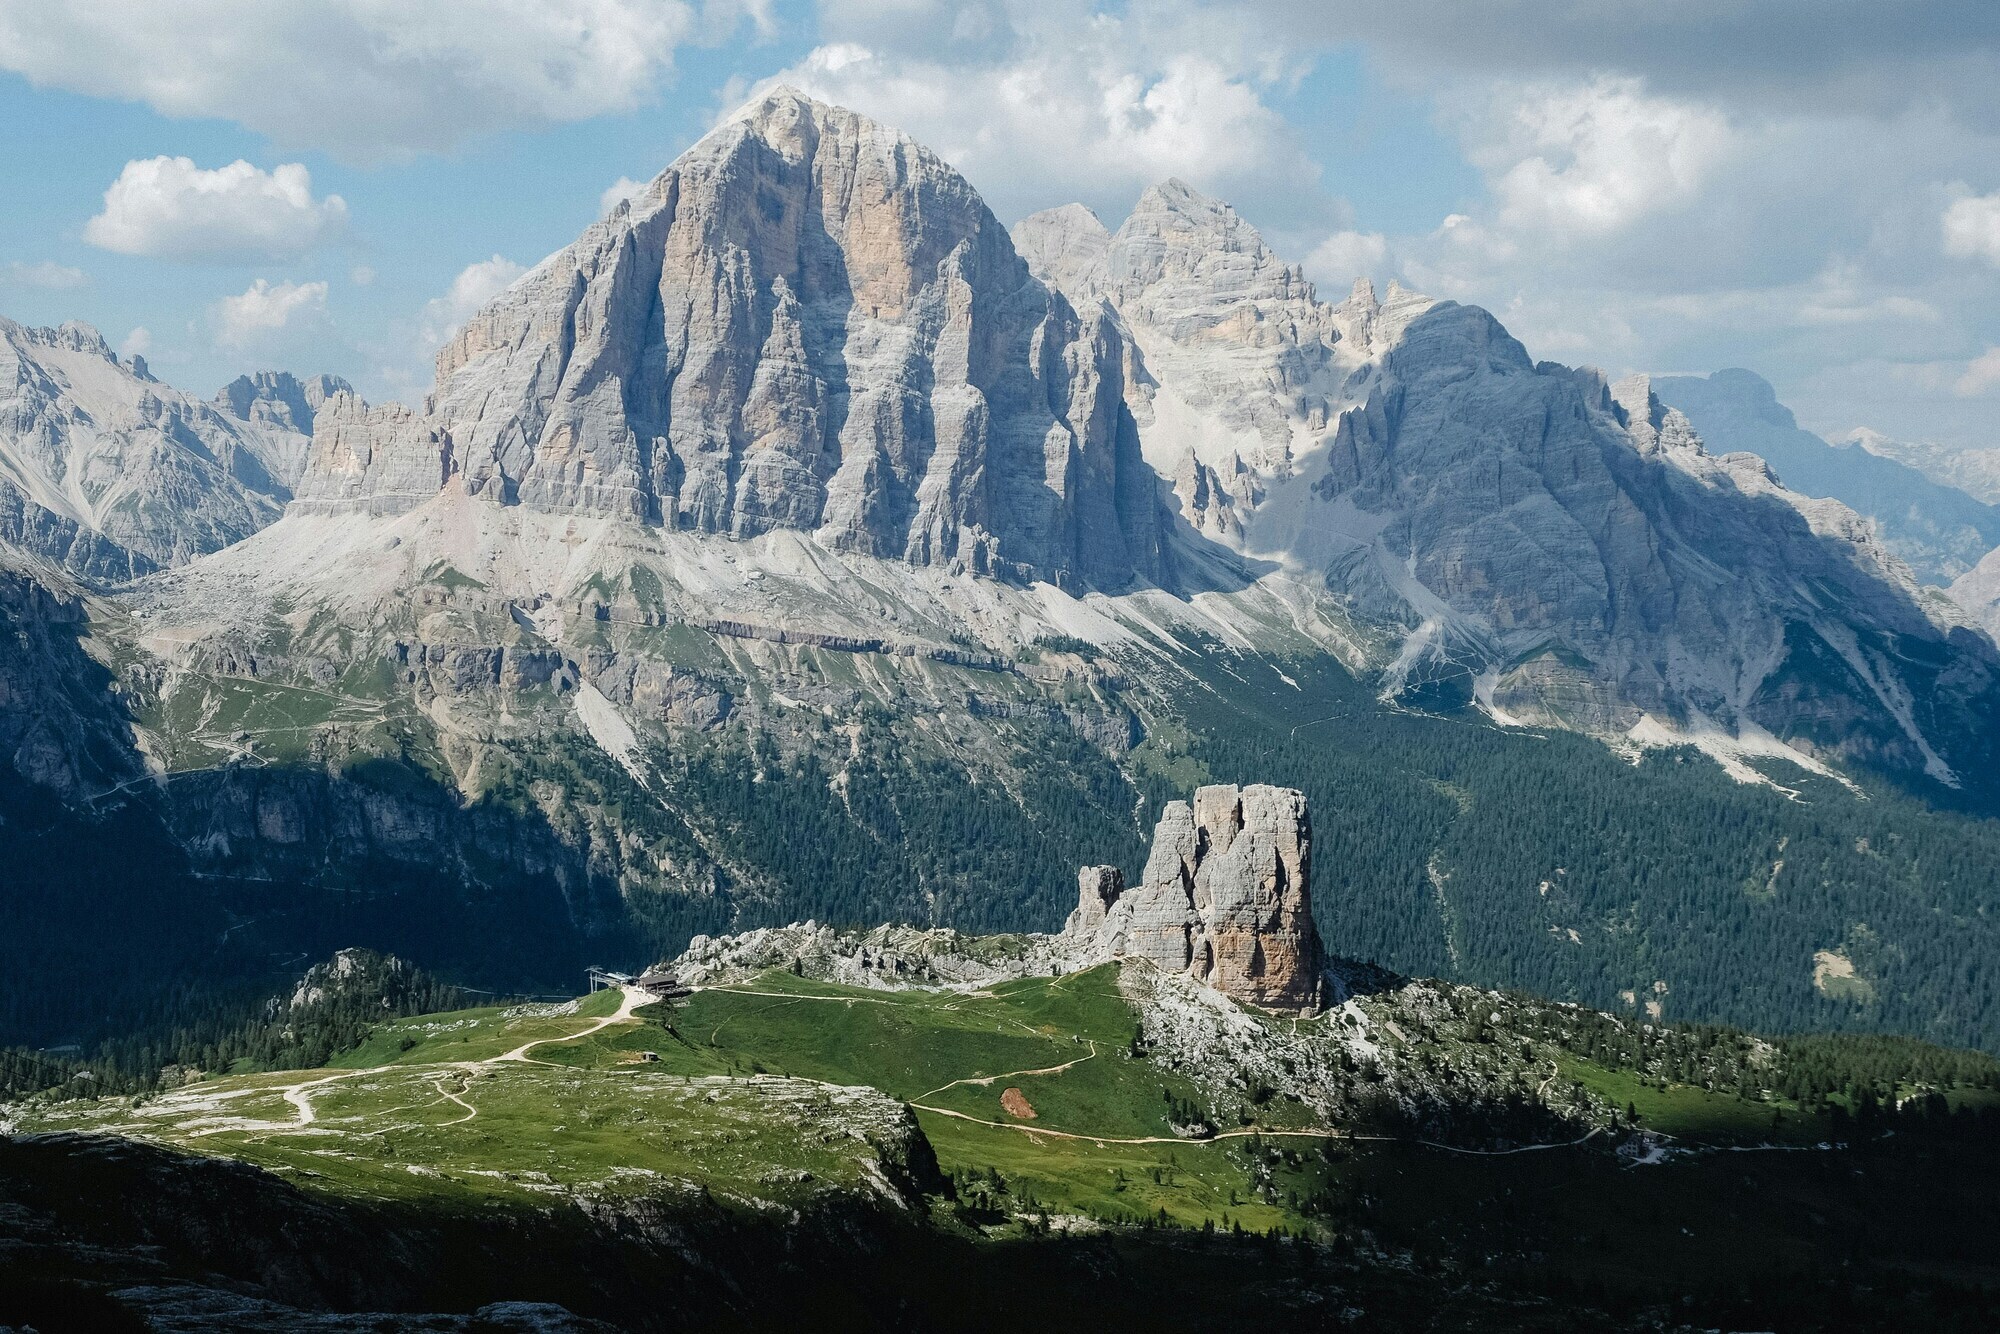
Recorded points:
(111, 474)
(798, 540)
(1973, 471)
(1938, 527)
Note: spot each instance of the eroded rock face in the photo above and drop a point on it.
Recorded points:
(1224, 898)
(109, 473)
(1563, 549)
(807, 322)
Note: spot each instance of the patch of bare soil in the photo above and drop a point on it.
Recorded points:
(1016, 1105)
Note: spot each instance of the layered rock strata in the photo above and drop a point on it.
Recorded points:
(109, 473)
(807, 322)
(1224, 898)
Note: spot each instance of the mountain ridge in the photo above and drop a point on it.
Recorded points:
(472, 668)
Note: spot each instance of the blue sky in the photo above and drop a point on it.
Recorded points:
(1810, 191)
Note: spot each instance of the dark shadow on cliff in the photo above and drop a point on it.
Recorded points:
(126, 900)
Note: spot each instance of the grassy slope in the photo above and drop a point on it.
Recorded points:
(593, 1113)
(716, 1113)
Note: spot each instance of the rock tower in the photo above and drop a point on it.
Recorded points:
(1224, 899)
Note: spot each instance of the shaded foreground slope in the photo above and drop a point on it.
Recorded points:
(1031, 1150)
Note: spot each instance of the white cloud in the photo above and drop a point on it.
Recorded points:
(617, 192)
(171, 209)
(475, 285)
(137, 343)
(361, 275)
(1982, 374)
(1972, 228)
(1344, 256)
(1593, 157)
(263, 310)
(1046, 102)
(45, 274)
(365, 79)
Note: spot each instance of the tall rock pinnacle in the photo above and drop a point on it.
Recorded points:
(1225, 898)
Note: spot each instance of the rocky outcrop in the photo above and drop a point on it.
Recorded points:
(1224, 899)
(807, 322)
(286, 408)
(111, 474)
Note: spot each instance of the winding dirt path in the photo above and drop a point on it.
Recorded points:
(300, 1095)
(983, 1081)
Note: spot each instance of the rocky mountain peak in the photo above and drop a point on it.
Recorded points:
(279, 398)
(1225, 898)
(1182, 252)
(75, 336)
(808, 322)
(1067, 248)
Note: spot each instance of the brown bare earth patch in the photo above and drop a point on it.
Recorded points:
(1016, 1105)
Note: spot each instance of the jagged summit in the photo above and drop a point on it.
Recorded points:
(109, 473)
(809, 322)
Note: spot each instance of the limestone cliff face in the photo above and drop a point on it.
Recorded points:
(807, 322)
(1564, 550)
(1224, 899)
(111, 474)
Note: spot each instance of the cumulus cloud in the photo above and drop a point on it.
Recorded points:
(137, 343)
(1972, 228)
(1982, 375)
(618, 192)
(169, 208)
(1593, 157)
(366, 79)
(44, 274)
(1045, 102)
(1344, 256)
(265, 309)
(475, 285)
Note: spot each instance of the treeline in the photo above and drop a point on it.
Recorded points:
(331, 1011)
(871, 830)
(1448, 846)
(1863, 1079)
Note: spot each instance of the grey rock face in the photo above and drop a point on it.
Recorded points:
(1097, 888)
(1564, 549)
(1978, 591)
(807, 322)
(1939, 531)
(110, 474)
(285, 407)
(1224, 899)
(384, 460)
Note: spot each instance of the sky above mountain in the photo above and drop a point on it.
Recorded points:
(332, 185)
